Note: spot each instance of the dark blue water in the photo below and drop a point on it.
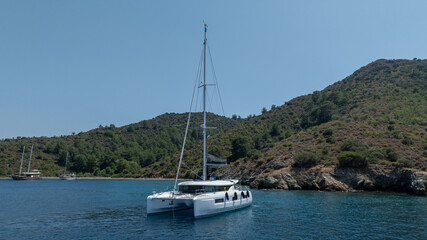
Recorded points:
(116, 209)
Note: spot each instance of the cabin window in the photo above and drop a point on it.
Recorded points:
(201, 189)
(221, 188)
(219, 200)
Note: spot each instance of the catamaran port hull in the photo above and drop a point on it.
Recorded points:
(165, 202)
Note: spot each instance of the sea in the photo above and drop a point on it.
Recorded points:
(116, 209)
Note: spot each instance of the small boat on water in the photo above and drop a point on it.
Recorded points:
(71, 176)
(66, 176)
(205, 197)
(28, 175)
(31, 175)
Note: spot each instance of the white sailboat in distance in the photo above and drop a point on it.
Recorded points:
(66, 176)
(205, 197)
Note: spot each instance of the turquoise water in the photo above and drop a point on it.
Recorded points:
(116, 209)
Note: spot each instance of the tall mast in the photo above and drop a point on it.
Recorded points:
(66, 160)
(22, 160)
(204, 102)
(31, 154)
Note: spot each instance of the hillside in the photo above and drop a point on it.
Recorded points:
(381, 107)
(375, 117)
(373, 122)
(107, 150)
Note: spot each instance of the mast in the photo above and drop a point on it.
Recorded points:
(65, 168)
(31, 154)
(204, 103)
(22, 160)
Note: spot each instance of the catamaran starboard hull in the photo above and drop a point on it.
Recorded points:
(206, 205)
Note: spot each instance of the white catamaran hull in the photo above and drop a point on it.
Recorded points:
(214, 203)
(167, 202)
(203, 205)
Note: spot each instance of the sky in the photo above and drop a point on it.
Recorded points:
(70, 66)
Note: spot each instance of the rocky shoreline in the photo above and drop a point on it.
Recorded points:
(109, 178)
(331, 178)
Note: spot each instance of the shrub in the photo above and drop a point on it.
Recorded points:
(130, 129)
(352, 160)
(305, 159)
(391, 154)
(239, 148)
(264, 110)
(397, 135)
(405, 162)
(408, 141)
(254, 153)
(374, 155)
(275, 130)
(353, 145)
(260, 162)
(327, 132)
(325, 150)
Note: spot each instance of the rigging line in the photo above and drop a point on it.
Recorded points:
(186, 129)
(197, 175)
(216, 81)
(198, 77)
(210, 100)
(214, 108)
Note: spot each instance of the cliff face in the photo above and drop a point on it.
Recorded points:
(331, 178)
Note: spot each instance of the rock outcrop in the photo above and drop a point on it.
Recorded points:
(330, 178)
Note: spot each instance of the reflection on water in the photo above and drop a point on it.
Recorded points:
(116, 209)
(183, 224)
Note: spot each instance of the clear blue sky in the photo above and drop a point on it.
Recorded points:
(69, 66)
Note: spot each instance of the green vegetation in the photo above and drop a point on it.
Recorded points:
(352, 160)
(352, 145)
(377, 115)
(239, 148)
(305, 159)
(128, 151)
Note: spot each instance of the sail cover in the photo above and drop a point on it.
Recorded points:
(215, 162)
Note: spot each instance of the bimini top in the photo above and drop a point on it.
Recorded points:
(209, 183)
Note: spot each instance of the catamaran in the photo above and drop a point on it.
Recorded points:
(205, 197)
(28, 175)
